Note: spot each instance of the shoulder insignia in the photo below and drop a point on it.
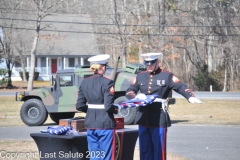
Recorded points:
(112, 90)
(134, 81)
(175, 79)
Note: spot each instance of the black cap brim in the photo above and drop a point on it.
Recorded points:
(148, 63)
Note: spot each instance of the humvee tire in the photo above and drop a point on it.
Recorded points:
(128, 113)
(57, 116)
(33, 112)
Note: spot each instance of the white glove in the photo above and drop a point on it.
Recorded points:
(194, 100)
(141, 96)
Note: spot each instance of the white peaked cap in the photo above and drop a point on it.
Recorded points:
(99, 59)
(150, 56)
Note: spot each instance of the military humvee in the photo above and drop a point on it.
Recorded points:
(59, 100)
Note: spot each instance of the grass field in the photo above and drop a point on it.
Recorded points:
(226, 112)
(20, 85)
(209, 112)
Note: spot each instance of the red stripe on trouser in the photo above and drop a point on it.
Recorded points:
(121, 145)
(113, 145)
(152, 143)
(164, 141)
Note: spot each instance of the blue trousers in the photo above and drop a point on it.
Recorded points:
(101, 144)
(152, 143)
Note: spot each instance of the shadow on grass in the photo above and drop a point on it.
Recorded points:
(172, 121)
(49, 124)
(178, 121)
(15, 88)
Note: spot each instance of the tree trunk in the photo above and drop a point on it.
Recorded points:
(210, 54)
(225, 80)
(33, 57)
(9, 83)
(162, 23)
(23, 69)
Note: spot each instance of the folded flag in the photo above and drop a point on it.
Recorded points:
(136, 102)
(58, 130)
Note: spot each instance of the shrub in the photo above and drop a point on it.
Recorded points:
(35, 77)
(204, 79)
(3, 77)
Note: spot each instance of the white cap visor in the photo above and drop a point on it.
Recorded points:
(99, 59)
(150, 56)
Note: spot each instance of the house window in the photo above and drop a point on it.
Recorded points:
(71, 62)
(43, 62)
(18, 62)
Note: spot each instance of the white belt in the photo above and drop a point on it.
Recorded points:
(164, 103)
(96, 106)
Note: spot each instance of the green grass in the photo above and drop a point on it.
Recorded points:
(209, 112)
(20, 85)
(224, 112)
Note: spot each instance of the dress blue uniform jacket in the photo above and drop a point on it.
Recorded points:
(96, 90)
(161, 83)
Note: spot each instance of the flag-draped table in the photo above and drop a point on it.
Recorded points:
(74, 147)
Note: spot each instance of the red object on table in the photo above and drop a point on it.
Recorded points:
(119, 122)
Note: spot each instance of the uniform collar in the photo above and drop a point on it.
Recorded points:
(97, 75)
(156, 72)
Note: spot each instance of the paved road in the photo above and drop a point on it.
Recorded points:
(7, 93)
(197, 142)
(204, 142)
(200, 95)
(212, 95)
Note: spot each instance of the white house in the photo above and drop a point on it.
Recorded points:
(62, 46)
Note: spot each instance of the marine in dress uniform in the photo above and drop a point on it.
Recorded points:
(98, 92)
(152, 119)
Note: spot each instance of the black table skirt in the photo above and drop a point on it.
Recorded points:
(74, 147)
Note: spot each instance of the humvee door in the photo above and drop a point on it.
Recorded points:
(66, 92)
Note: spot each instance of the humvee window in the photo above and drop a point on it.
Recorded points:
(66, 80)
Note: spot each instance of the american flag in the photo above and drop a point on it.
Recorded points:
(59, 130)
(136, 102)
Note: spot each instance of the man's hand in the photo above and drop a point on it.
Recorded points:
(194, 100)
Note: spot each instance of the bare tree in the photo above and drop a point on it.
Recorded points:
(43, 9)
(6, 41)
(6, 44)
(21, 47)
(191, 34)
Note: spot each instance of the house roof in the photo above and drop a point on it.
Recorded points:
(68, 43)
(62, 37)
